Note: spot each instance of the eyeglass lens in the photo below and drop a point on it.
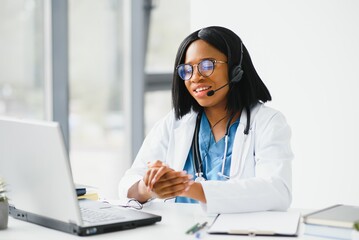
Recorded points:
(133, 203)
(205, 68)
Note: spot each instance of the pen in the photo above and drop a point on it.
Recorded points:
(201, 226)
(196, 228)
(191, 230)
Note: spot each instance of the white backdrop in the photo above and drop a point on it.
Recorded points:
(307, 53)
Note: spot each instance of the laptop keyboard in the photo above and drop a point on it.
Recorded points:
(100, 215)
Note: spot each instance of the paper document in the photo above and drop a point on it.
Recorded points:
(257, 223)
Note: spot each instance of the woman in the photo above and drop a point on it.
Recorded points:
(220, 145)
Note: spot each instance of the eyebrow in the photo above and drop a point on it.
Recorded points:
(205, 58)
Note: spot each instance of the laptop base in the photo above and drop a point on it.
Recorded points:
(73, 228)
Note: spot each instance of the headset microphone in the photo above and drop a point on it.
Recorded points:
(236, 74)
(212, 92)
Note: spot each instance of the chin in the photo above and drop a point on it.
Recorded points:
(205, 104)
(211, 102)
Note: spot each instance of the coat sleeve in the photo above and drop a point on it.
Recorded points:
(270, 187)
(153, 148)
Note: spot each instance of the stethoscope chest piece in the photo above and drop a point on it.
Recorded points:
(199, 177)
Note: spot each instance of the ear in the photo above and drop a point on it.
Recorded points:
(236, 74)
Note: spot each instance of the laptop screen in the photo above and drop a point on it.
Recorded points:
(35, 165)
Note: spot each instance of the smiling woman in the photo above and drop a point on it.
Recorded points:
(212, 78)
(220, 145)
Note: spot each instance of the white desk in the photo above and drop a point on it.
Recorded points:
(176, 220)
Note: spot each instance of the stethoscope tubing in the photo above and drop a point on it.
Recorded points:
(195, 148)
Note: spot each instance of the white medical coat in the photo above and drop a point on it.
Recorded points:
(260, 173)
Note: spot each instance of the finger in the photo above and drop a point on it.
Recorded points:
(163, 184)
(157, 163)
(146, 176)
(174, 174)
(176, 185)
(161, 171)
(149, 175)
(170, 182)
(152, 168)
(173, 191)
(153, 172)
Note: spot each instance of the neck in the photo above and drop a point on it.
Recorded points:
(216, 115)
(218, 122)
(219, 117)
(218, 125)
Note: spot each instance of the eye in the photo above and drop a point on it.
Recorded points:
(206, 65)
(185, 71)
(187, 68)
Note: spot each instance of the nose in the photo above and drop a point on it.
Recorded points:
(196, 75)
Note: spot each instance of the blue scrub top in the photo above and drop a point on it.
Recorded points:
(211, 154)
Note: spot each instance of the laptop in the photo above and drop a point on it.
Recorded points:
(35, 165)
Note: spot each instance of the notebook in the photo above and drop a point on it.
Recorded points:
(339, 215)
(266, 223)
(35, 165)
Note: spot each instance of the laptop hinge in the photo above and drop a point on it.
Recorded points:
(17, 214)
(43, 221)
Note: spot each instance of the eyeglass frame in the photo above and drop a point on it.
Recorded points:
(134, 203)
(214, 62)
(137, 205)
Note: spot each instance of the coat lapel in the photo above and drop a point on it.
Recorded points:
(238, 146)
(182, 142)
(242, 142)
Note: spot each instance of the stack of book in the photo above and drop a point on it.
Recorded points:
(338, 221)
(86, 193)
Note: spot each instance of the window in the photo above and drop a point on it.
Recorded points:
(169, 25)
(96, 112)
(96, 106)
(21, 59)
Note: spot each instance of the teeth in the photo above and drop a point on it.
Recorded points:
(201, 89)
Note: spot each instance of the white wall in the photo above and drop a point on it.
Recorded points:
(307, 53)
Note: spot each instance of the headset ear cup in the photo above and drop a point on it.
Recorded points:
(237, 74)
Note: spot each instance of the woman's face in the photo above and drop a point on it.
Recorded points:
(198, 85)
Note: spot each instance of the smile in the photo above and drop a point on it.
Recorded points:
(201, 89)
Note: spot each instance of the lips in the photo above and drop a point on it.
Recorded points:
(201, 89)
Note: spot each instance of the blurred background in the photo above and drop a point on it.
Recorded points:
(103, 69)
(95, 62)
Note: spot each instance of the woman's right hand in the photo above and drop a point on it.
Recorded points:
(172, 184)
(155, 171)
(166, 182)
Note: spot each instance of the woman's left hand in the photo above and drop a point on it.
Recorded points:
(172, 184)
(155, 171)
(166, 182)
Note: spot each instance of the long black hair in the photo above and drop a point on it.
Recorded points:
(243, 94)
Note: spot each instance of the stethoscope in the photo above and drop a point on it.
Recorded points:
(197, 161)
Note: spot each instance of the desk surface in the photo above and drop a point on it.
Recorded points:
(176, 220)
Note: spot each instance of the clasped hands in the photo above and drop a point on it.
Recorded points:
(165, 182)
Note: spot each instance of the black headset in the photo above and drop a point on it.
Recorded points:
(237, 72)
(236, 76)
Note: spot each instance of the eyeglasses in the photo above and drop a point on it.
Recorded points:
(204, 67)
(131, 203)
